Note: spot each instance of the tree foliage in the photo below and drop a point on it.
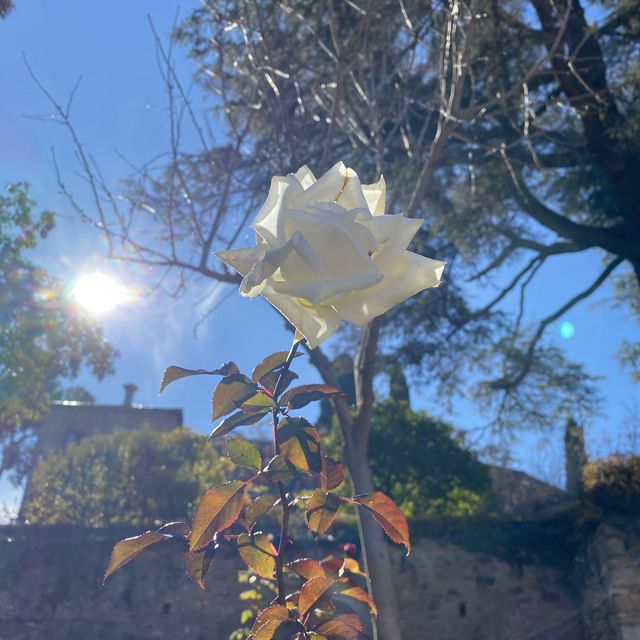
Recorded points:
(133, 477)
(422, 463)
(44, 338)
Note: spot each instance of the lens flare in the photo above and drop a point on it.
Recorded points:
(566, 330)
(98, 294)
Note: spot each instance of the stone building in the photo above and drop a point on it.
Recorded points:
(69, 422)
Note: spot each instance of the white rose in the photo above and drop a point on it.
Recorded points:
(326, 252)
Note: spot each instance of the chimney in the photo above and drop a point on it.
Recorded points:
(129, 390)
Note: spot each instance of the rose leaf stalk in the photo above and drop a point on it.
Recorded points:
(286, 509)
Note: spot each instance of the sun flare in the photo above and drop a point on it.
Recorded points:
(99, 294)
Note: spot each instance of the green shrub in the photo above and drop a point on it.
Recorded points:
(133, 477)
(613, 484)
(422, 464)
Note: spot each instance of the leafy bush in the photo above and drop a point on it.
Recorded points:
(613, 484)
(138, 477)
(422, 464)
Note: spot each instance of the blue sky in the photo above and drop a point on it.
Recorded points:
(120, 105)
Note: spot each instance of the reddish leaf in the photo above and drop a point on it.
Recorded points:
(239, 419)
(244, 453)
(351, 595)
(299, 397)
(173, 373)
(322, 508)
(332, 474)
(312, 592)
(344, 627)
(332, 566)
(274, 361)
(260, 506)
(388, 515)
(274, 612)
(218, 509)
(129, 548)
(231, 392)
(299, 443)
(270, 381)
(306, 568)
(278, 630)
(258, 553)
(197, 566)
(174, 529)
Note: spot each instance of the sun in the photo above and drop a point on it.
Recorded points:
(99, 294)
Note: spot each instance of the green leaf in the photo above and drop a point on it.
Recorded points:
(344, 627)
(274, 361)
(306, 568)
(258, 553)
(197, 566)
(244, 454)
(260, 506)
(231, 392)
(279, 469)
(299, 443)
(387, 514)
(239, 419)
(322, 509)
(173, 373)
(332, 474)
(217, 510)
(258, 403)
(312, 592)
(299, 397)
(129, 548)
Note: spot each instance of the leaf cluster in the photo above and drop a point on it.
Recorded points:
(133, 477)
(326, 599)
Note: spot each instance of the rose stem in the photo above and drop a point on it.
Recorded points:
(283, 495)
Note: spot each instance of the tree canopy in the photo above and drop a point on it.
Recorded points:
(473, 114)
(44, 338)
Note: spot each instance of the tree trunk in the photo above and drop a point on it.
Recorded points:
(375, 546)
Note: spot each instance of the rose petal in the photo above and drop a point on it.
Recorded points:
(375, 194)
(242, 260)
(315, 322)
(394, 231)
(344, 245)
(326, 189)
(412, 274)
(268, 223)
(325, 291)
(351, 196)
(295, 257)
(304, 176)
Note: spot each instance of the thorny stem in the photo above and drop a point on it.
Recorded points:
(286, 509)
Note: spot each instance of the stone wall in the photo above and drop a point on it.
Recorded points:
(611, 604)
(50, 589)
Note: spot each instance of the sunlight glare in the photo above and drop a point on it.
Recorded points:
(99, 294)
